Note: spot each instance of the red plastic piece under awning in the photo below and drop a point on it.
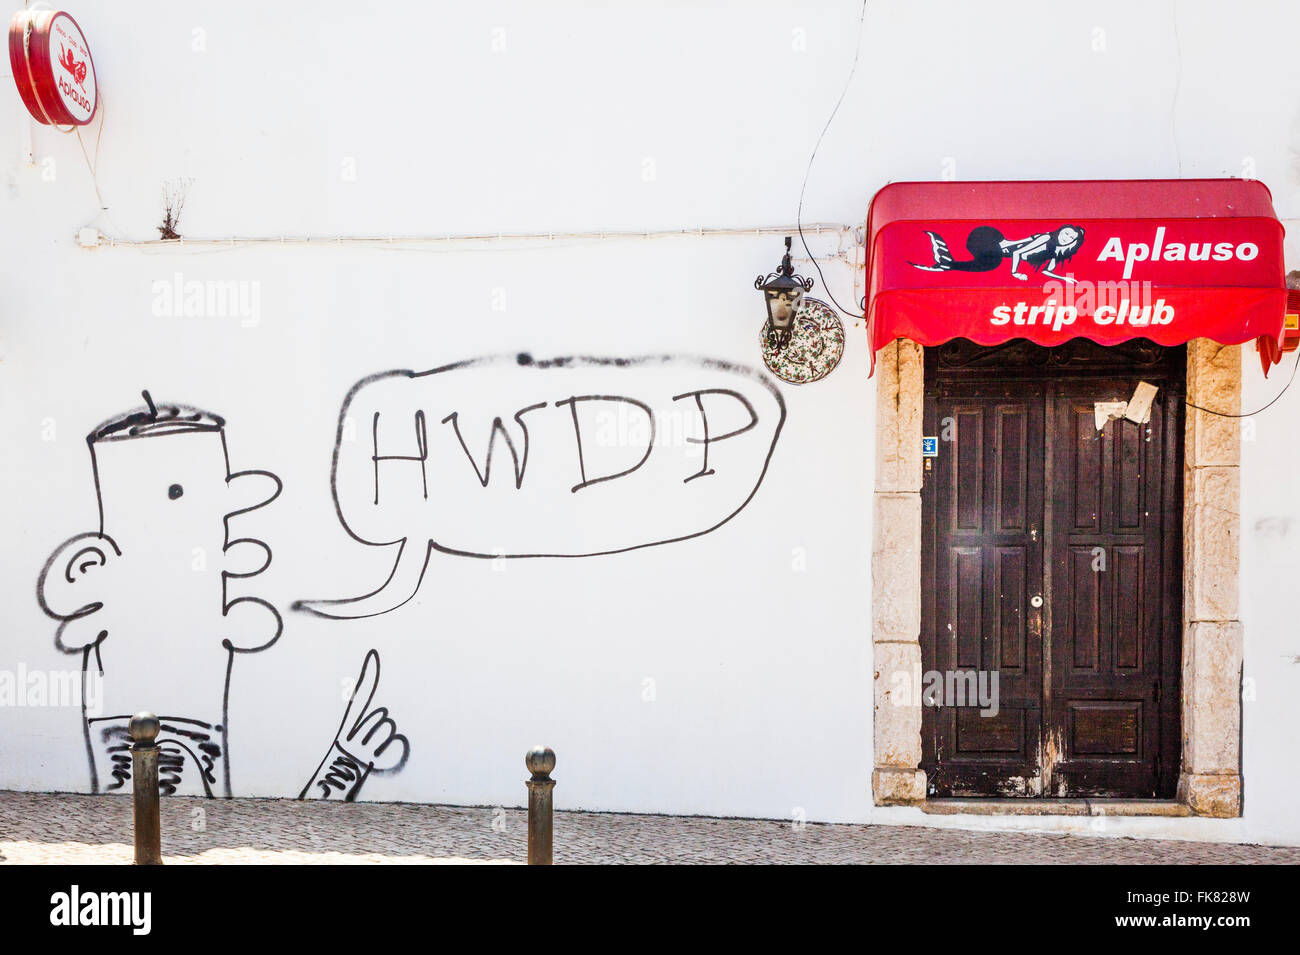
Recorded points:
(1164, 259)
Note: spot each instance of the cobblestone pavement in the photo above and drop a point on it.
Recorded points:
(37, 828)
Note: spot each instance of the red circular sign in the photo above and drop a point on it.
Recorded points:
(51, 64)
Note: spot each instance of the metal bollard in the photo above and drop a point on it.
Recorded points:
(540, 760)
(144, 778)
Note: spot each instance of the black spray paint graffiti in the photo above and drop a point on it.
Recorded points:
(611, 460)
(360, 747)
(137, 601)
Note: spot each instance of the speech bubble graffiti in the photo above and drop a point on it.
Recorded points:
(511, 457)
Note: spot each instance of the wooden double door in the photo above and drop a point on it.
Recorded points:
(1051, 559)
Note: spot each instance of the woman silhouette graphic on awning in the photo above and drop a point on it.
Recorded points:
(1046, 251)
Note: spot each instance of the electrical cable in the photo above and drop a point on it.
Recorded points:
(396, 241)
(1224, 414)
(94, 167)
(857, 53)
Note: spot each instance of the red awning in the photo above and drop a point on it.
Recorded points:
(1164, 259)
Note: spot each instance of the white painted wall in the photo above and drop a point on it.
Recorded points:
(762, 673)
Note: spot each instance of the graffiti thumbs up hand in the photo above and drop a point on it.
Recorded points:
(367, 742)
(372, 736)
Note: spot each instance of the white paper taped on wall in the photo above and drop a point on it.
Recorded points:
(1104, 411)
(1137, 409)
(1139, 406)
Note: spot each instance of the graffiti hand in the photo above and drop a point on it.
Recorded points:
(374, 741)
(368, 734)
(367, 741)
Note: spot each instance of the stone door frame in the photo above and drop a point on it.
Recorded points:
(1209, 781)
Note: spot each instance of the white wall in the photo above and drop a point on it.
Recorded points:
(762, 673)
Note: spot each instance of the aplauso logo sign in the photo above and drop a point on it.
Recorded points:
(53, 68)
(1161, 251)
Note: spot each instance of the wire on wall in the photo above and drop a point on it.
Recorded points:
(1249, 414)
(840, 230)
(94, 166)
(857, 54)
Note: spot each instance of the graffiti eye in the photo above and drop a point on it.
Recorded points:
(175, 491)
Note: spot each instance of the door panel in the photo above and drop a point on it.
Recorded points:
(987, 495)
(1028, 498)
(1108, 591)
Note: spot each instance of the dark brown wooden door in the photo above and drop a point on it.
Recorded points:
(1052, 558)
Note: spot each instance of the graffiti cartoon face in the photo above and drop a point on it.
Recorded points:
(146, 601)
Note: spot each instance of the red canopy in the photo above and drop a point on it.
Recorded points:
(1164, 259)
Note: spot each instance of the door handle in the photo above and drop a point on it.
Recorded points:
(1033, 533)
(1036, 601)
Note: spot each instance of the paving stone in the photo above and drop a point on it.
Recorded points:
(78, 829)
